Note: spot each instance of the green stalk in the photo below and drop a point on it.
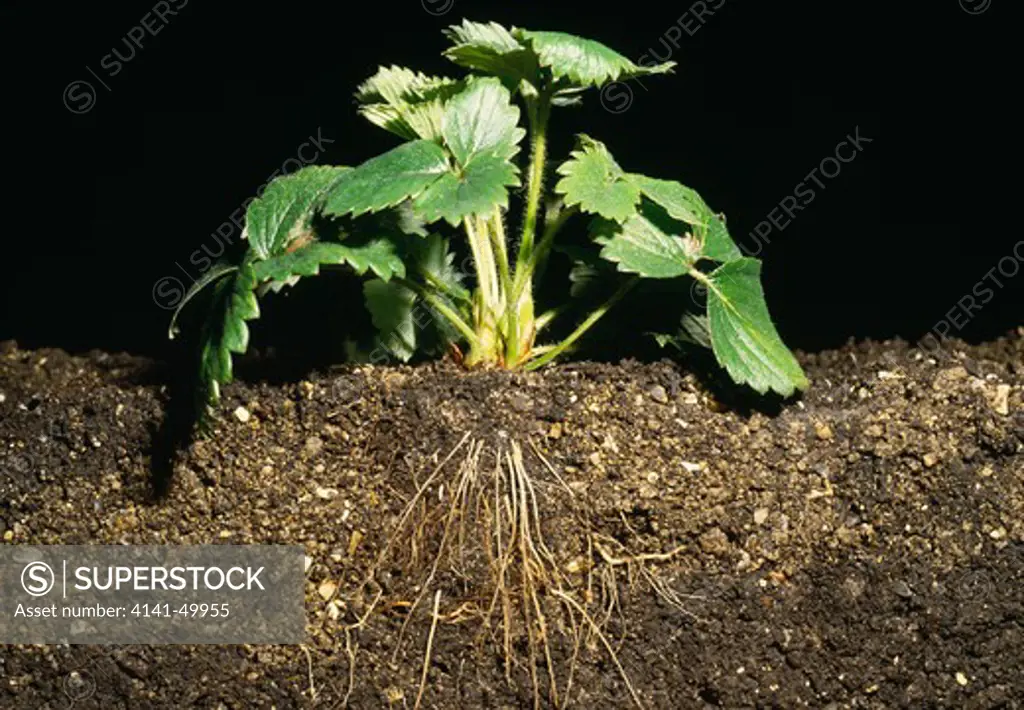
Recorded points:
(441, 307)
(583, 327)
(498, 242)
(551, 230)
(539, 112)
(539, 128)
(483, 258)
(487, 301)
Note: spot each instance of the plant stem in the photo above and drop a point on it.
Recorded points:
(539, 115)
(483, 258)
(441, 307)
(584, 326)
(544, 319)
(520, 298)
(497, 232)
(540, 255)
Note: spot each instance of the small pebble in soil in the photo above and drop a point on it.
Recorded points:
(327, 589)
(326, 493)
(824, 431)
(961, 679)
(1001, 400)
(760, 515)
(658, 394)
(313, 446)
(242, 414)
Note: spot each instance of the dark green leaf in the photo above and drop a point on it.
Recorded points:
(491, 49)
(694, 329)
(593, 180)
(639, 246)
(684, 204)
(286, 206)
(391, 307)
(583, 62)
(743, 336)
(224, 332)
(388, 179)
(212, 274)
(377, 255)
(476, 189)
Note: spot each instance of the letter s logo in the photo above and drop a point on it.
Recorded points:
(37, 578)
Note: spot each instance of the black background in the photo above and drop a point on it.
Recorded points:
(102, 205)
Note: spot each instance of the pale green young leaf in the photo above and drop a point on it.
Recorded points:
(396, 85)
(391, 307)
(407, 103)
(583, 62)
(388, 179)
(482, 121)
(286, 206)
(593, 180)
(743, 337)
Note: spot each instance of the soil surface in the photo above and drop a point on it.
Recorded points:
(862, 547)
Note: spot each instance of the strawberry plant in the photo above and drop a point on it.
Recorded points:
(406, 218)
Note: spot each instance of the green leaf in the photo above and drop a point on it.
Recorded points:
(491, 49)
(407, 103)
(212, 274)
(588, 272)
(679, 201)
(482, 121)
(224, 332)
(694, 329)
(583, 62)
(684, 204)
(639, 246)
(286, 206)
(432, 260)
(478, 189)
(377, 255)
(388, 179)
(743, 336)
(718, 244)
(593, 180)
(395, 85)
(391, 307)
(482, 132)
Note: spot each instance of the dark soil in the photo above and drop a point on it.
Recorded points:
(861, 548)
